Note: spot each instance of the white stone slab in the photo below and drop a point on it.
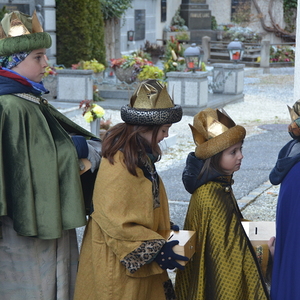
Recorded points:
(191, 93)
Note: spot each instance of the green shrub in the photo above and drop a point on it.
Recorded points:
(79, 31)
(96, 31)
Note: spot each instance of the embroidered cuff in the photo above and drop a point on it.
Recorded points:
(144, 254)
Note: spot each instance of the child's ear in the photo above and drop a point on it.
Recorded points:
(197, 136)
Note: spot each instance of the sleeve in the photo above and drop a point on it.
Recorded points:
(144, 254)
(283, 164)
(81, 146)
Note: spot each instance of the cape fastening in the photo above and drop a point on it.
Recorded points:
(151, 104)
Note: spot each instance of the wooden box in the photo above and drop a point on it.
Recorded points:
(259, 233)
(87, 165)
(187, 242)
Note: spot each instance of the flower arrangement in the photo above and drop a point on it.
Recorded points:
(52, 70)
(173, 59)
(243, 34)
(282, 54)
(127, 61)
(93, 65)
(150, 72)
(91, 111)
(177, 23)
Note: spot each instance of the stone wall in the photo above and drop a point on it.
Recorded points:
(153, 24)
(221, 10)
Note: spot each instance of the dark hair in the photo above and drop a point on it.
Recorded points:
(211, 163)
(128, 139)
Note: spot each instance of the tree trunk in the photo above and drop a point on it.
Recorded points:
(112, 38)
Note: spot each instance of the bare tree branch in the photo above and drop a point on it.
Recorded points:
(278, 31)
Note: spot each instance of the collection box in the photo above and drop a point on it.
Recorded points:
(259, 233)
(187, 242)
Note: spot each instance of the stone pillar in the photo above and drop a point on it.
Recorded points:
(228, 78)
(206, 48)
(189, 89)
(265, 56)
(74, 85)
(50, 26)
(297, 58)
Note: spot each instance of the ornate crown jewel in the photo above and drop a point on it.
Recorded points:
(214, 127)
(17, 28)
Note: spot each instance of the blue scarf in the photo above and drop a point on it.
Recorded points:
(12, 82)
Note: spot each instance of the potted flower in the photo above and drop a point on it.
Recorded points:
(151, 72)
(50, 79)
(92, 113)
(93, 65)
(177, 29)
(128, 67)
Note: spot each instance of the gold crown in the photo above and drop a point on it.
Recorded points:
(214, 131)
(295, 111)
(151, 94)
(15, 27)
(213, 124)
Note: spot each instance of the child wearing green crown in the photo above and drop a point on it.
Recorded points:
(41, 196)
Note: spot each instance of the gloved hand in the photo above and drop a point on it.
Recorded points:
(166, 258)
(93, 156)
(174, 227)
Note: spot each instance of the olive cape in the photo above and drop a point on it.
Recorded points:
(224, 265)
(40, 187)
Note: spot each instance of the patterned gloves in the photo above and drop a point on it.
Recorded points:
(166, 258)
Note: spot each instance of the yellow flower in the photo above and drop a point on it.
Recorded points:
(98, 110)
(88, 116)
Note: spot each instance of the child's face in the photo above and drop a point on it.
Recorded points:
(33, 66)
(231, 159)
(163, 132)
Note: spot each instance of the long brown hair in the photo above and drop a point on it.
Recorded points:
(128, 139)
(211, 163)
